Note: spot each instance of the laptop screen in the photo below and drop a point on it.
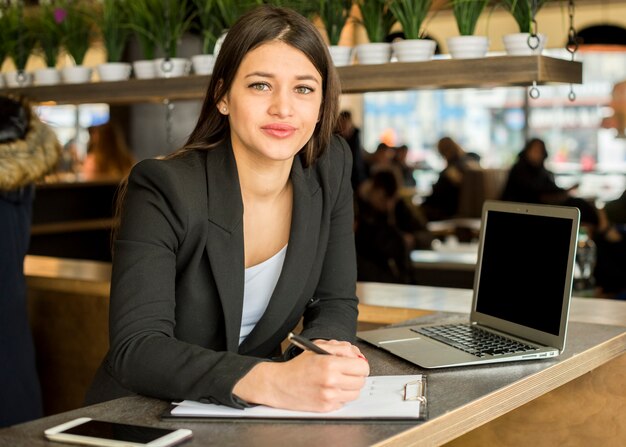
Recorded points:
(524, 269)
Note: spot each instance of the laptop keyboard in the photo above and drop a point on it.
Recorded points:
(474, 340)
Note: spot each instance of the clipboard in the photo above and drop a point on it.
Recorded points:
(391, 398)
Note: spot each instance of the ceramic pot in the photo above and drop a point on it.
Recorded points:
(144, 69)
(18, 79)
(114, 71)
(519, 44)
(47, 76)
(203, 64)
(373, 53)
(468, 47)
(171, 68)
(76, 75)
(414, 50)
(340, 55)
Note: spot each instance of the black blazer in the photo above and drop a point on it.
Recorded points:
(178, 276)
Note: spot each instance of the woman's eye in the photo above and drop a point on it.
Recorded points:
(304, 90)
(260, 86)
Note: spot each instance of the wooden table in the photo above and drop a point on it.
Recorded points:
(576, 399)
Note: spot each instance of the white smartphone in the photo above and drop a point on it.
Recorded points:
(111, 434)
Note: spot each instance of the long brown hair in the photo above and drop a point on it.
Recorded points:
(261, 25)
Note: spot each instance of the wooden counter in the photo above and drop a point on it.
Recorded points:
(461, 400)
(577, 399)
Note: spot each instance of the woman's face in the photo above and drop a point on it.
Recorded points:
(273, 103)
(534, 154)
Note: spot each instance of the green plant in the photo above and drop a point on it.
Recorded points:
(466, 13)
(112, 21)
(231, 10)
(77, 24)
(48, 32)
(142, 21)
(4, 37)
(171, 19)
(334, 14)
(19, 34)
(209, 23)
(523, 12)
(411, 15)
(376, 18)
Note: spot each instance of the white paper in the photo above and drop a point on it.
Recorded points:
(381, 397)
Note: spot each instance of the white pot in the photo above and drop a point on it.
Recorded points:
(76, 75)
(114, 71)
(413, 50)
(171, 68)
(518, 44)
(340, 55)
(468, 47)
(47, 76)
(18, 79)
(203, 64)
(373, 53)
(144, 69)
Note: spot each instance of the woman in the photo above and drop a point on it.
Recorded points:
(530, 181)
(107, 153)
(224, 246)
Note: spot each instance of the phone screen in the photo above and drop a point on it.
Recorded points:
(118, 432)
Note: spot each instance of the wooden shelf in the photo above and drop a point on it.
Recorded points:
(443, 73)
(457, 73)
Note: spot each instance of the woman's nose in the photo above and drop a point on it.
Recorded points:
(281, 104)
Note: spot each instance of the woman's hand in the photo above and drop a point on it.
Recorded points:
(308, 382)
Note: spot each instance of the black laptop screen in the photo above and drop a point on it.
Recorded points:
(524, 266)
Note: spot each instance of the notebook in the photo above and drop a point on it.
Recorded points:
(521, 297)
(382, 397)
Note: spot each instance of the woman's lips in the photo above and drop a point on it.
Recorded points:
(279, 130)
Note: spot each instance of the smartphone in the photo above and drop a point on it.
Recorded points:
(111, 434)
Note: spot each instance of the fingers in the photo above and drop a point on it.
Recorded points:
(340, 348)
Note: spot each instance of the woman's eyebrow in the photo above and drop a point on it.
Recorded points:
(262, 74)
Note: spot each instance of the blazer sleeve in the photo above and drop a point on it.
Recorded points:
(333, 311)
(145, 355)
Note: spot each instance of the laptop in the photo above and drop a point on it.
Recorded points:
(521, 297)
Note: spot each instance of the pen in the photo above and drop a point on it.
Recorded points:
(306, 344)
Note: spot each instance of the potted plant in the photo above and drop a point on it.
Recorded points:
(334, 15)
(172, 20)
(229, 11)
(377, 19)
(20, 43)
(141, 21)
(467, 45)
(210, 25)
(411, 14)
(76, 20)
(112, 22)
(522, 43)
(49, 40)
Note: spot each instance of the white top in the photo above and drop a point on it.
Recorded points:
(260, 281)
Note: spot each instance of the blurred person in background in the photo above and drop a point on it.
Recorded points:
(352, 135)
(107, 153)
(28, 150)
(388, 228)
(443, 202)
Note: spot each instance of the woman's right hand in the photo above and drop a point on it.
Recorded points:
(308, 382)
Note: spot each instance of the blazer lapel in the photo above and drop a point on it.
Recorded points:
(301, 253)
(225, 237)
